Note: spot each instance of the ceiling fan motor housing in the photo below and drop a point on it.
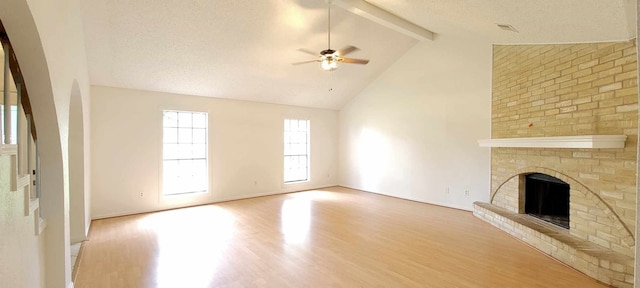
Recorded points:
(328, 51)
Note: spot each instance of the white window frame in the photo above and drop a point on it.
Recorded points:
(187, 192)
(287, 153)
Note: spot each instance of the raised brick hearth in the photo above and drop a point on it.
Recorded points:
(594, 260)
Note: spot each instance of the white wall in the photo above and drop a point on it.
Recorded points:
(412, 133)
(48, 40)
(20, 249)
(245, 149)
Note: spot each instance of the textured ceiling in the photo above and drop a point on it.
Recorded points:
(242, 49)
(538, 21)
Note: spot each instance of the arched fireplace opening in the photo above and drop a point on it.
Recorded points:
(547, 198)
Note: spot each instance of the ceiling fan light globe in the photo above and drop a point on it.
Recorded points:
(329, 64)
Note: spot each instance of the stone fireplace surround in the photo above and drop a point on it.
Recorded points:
(591, 218)
(604, 264)
(568, 90)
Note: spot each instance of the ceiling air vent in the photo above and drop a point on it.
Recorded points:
(507, 27)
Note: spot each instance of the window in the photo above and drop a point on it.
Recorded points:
(14, 123)
(184, 152)
(296, 150)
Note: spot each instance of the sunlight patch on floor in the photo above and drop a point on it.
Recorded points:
(191, 244)
(295, 220)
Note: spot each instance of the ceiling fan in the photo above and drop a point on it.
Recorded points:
(329, 58)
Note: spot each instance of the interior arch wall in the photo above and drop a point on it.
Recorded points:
(48, 41)
(77, 204)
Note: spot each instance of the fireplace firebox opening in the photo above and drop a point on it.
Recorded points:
(547, 198)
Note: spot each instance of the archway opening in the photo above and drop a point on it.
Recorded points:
(77, 196)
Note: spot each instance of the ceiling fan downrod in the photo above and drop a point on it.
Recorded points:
(329, 58)
(329, 25)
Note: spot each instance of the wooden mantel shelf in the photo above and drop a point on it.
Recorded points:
(583, 141)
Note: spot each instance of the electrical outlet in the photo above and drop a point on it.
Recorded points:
(466, 192)
(141, 194)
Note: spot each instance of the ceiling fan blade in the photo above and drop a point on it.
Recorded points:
(346, 50)
(355, 61)
(305, 62)
(308, 52)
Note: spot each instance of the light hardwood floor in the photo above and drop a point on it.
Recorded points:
(334, 237)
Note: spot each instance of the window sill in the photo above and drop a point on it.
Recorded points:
(296, 182)
(183, 195)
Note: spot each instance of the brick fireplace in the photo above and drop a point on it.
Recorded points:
(568, 90)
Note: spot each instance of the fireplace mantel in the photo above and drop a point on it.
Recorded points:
(582, 141)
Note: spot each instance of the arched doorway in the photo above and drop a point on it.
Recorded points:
(45, 256)
(78, 202)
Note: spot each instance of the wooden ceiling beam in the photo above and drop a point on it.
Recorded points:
(385, 18)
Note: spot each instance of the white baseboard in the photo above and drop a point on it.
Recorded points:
(140, 211)
(448, 205)
(75, 240)
(70, 285)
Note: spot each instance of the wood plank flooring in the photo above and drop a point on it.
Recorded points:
(334, 237)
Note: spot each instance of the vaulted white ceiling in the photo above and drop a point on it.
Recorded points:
(243, 49)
